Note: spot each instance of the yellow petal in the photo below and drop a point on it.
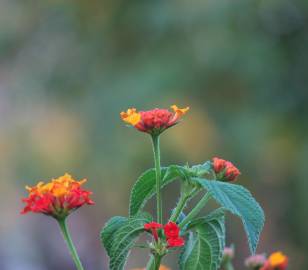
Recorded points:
(131, 116)
(178, 110)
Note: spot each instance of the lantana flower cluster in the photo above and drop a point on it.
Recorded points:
(171, 231)
(57, 198)
(276, 261)
(153, 121)
(225, 170)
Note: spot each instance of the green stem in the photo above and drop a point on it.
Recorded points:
(195, 211)
(182, 204)
(179, 208)
(69, 243)
(154, 262)
(229, 265)
(157, 262)
(156, 151)
(151, 263)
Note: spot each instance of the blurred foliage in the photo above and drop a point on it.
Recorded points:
(67, 68)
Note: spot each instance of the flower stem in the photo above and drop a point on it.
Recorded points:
(157, 262)
(69, 243)
(185, 197)
(195, 211)
(154, 262)
(156, 151)
(179, 208)
(229, 266)
(151, 263)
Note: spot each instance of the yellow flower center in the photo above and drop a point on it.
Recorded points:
(57, 187)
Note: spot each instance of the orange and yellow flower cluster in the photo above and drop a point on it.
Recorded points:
(153, 121)
(57, 198)
(276, 261)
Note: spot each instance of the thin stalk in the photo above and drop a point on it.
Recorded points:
(195, 211)
(151, 263)
(154, 262)
(182, 204)
(179, 208)
(69, 243)
(157, 262)
(229, 266)
(156, 151)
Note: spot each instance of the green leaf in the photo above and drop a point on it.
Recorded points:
(217, 214)
(239, 201)
(110, 228)
(206, 241)
(144, 188)
(119, 235)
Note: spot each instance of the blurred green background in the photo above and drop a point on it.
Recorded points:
(67, 68)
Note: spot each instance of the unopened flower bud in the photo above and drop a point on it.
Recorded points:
(255, 262)
(225, 170)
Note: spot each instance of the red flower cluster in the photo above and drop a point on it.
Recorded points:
(154, 121)
(171, 230)
(58, 198)
(225, 170)
(277, 261)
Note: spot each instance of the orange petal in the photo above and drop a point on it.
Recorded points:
(277, 258)
(179, 111)
(131, 116)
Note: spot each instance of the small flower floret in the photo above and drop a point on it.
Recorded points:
(153, 227)
(172, 233)
(171, 230)
(175, 242)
